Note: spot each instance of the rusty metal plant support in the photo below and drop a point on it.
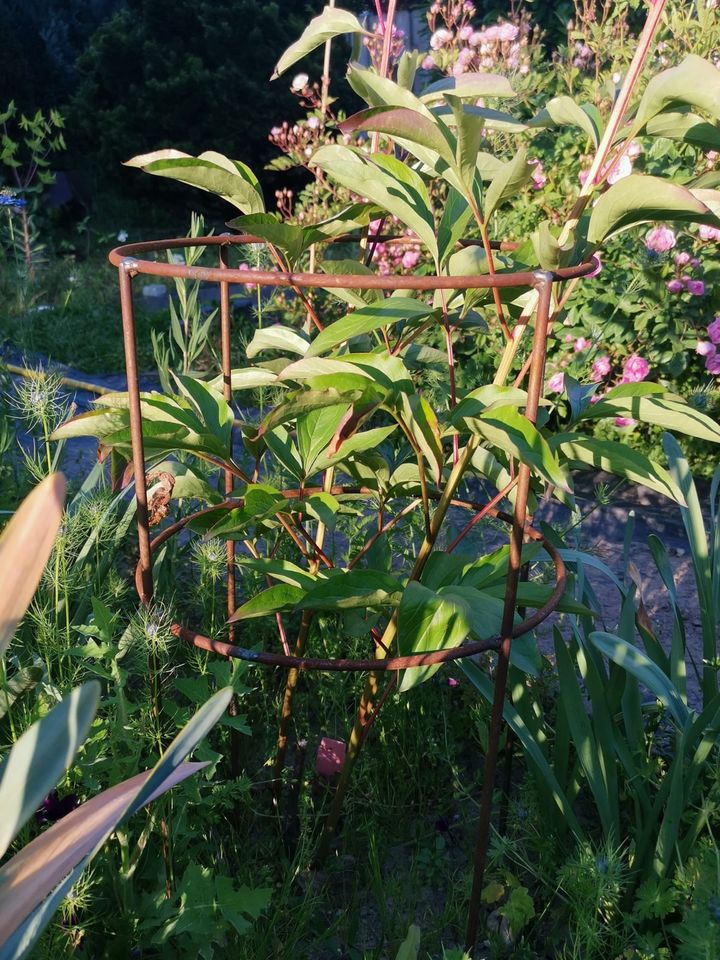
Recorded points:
(128, 260)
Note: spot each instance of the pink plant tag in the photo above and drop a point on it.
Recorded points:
(330, 757)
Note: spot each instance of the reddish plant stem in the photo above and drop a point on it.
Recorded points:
(481, 514)
(383, 529)
(296, 290)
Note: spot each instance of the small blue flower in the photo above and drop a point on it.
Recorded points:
(10, 200)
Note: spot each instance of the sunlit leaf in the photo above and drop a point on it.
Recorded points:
(332, 22)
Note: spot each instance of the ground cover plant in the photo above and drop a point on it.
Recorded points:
(337, 482)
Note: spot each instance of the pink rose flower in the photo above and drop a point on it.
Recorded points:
(556, 383)
(600, 369)
(712, 364)
(675, 286)
(709, 233)
(428, 63)
(410, 259)
(582, 344)
(696, 288)
(624, 422)
(705, 349)
(714, 330)
(660, 239)
(635, 368)
(623, 168)
(507, 32)
(248, 286)
(682, 259)
(538, 175)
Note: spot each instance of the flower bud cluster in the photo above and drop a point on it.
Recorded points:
(458, 47)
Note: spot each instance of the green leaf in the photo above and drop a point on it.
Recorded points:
(422, 422)
(304, 400)
(428, 621)
(453, 223)
(246, 378)
(565, 112)
(287, 236)
(550, 254)
(282, 570)
(617, 458)
(33, 881)
(353, 588)
(640, 199)
(357, 443)
(645, 670)
(490, 119)
(704, 559)
(332, 22)
(652, 406)
(17, 686)
(40, 756)
(518, 910)
(277, 337)
(533, 751)
(281, 444)
(508, 430)
(212, 409)
(229, 179)
(688, 127)
(404, 125)
(366, 319)
(379, 91)
(282, 596)
(693, 82)
(470, 130)
(387, 182)
(36, 522)
(407, 68)
(589, 750)
(485, 398)
(323, 507)
(260, 502)
(355, 297)
(315, 430)
(470, 85)
(410, 946)
(506, 185)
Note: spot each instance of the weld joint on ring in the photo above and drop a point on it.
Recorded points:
(130, 265)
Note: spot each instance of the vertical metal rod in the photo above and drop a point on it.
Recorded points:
(125, 274)
(226, 361)
(544, 283)
(138, 453)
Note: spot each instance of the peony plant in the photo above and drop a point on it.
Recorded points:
(352, 430)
